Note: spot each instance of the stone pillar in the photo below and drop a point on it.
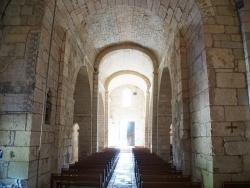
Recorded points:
(100, 123)
(154, 110)
(106, 117)
(245, 21)
(94, 112)
(147, 121)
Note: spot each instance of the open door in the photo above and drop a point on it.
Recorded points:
(131, 133)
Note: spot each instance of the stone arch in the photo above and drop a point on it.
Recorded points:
(119, 116)
(109, 50)
(164, 115)
(82, 112)
(127, 72)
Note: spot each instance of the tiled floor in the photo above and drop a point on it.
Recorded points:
(123, 176)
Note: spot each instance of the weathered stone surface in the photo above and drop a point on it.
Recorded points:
(13, 10)
(218, 146)
(223, 129)
(217, 113)
(237, 148)
(214, 29)
(15, 102)
(246, 161)
(18, 2)
(18, 170)
(221, 164)
(220, 178)
(224, 97)
(26, 10)
(231, 80)
(22, 138)
(7, 50)
(240, 177)
(220, 58)
(12, 38)
(13, 122)
(5, 138)
(242, 97)
(237, 113)
(15, 153)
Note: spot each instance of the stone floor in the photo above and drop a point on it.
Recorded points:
(123, 176)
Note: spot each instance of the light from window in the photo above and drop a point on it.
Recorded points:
(126, 98)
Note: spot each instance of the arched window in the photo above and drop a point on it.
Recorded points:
(126, 98)
(48, 108)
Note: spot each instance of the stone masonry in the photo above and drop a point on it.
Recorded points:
(57, 47)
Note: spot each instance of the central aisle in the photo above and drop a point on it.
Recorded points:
(123, 176)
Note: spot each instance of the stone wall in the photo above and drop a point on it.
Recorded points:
(20, 36)
(228, 95)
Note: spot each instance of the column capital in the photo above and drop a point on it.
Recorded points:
(96, 71)
(155, 73)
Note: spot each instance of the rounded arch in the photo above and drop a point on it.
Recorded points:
(83, 111)
(132, 46)
(164, 114)
(113, 76)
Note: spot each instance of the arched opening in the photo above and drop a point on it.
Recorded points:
(82, 112)
(127, 123)
(75, 143)
(164, 115)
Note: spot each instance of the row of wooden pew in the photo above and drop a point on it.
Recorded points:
(95, 170)
(152, 171)
(236, 184)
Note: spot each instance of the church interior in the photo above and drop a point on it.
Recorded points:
(170, 76)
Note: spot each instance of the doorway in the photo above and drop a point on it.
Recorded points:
(127, 133)
(131, 133)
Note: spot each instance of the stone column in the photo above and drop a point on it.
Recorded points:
(94, 113)
(147, 122)
(245, 31)
(154, 111)
(106, 118)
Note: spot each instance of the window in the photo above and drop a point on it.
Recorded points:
(126, 98)
(48, 108)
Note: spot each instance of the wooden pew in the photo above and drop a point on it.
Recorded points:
(95, 170)
(153, 168)
(156, 172)
(163, 178)
(236, 184)
(171, 185)
(60, 180)
(159, 172)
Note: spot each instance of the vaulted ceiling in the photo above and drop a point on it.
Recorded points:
(99, 24)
